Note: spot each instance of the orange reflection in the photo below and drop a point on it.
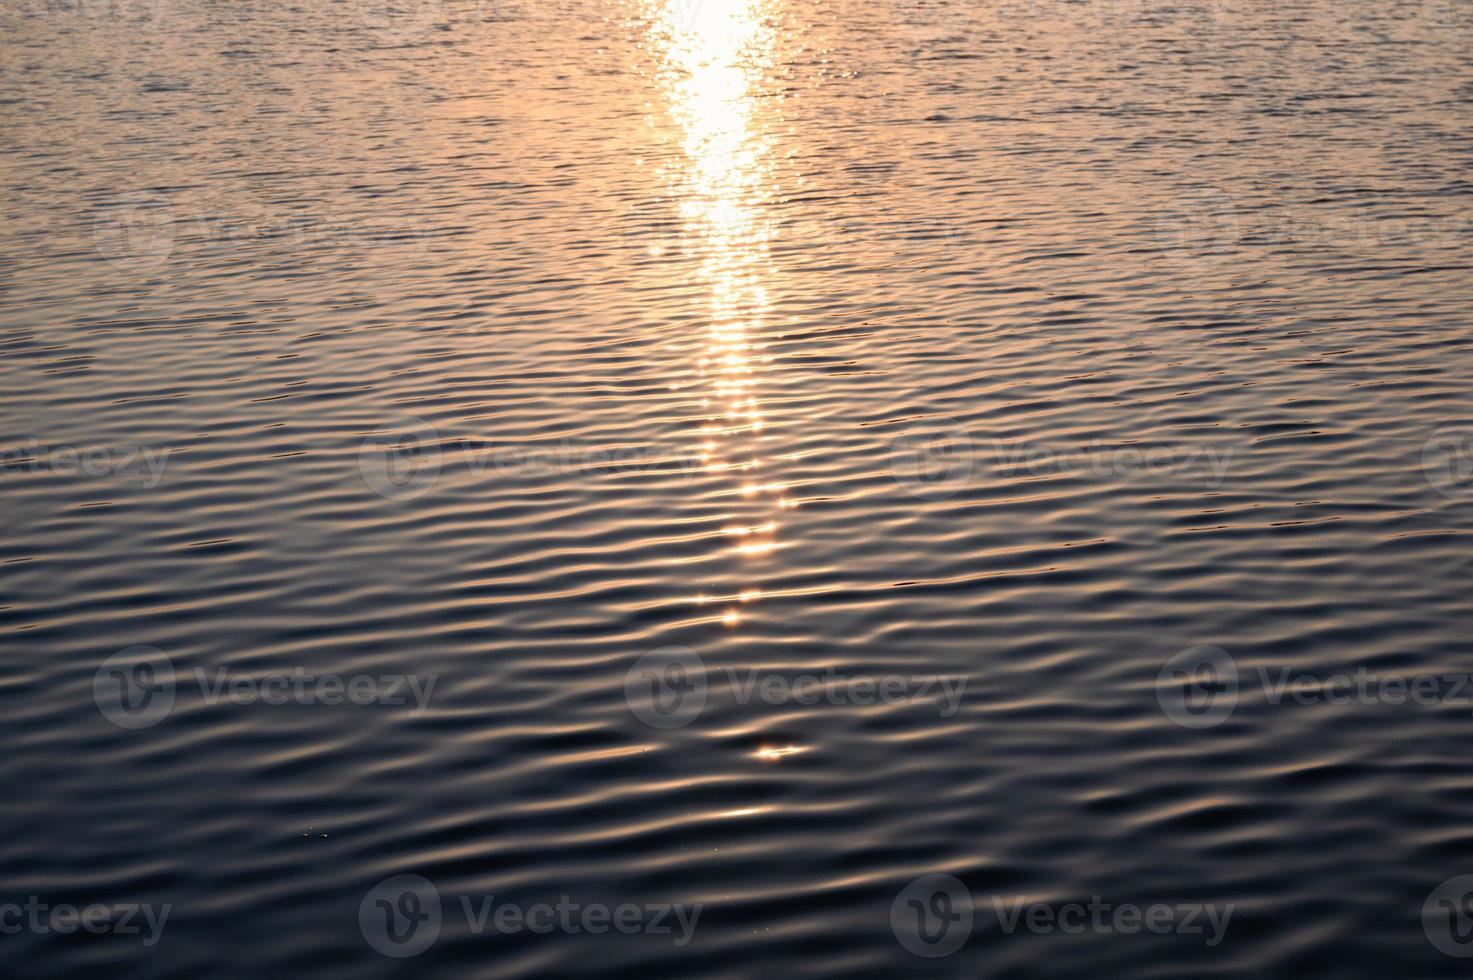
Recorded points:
(713, 55)
(772, 753)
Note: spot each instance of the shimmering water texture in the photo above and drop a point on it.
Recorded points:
(736, 488)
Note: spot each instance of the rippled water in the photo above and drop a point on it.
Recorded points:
(743, 457)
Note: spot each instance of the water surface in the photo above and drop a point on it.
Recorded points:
(1014, 347)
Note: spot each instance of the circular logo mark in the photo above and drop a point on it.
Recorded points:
(1447, 460)
(666, 688)
(398, 20)
(932, 916)
(651, 230)
(135, 236)
(1447, 917)
(134, 688)
(1195, 229)
(1449, 15)
(1198, 688)
(932, 463)
(1223, 10)
(400, 916)
(400, 460)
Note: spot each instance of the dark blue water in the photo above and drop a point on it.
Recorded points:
(736, 488)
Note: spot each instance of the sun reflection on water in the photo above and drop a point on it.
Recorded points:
(713, 54)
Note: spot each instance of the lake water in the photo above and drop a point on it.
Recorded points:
(515, 488)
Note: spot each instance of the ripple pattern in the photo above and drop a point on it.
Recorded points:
(997, 351)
